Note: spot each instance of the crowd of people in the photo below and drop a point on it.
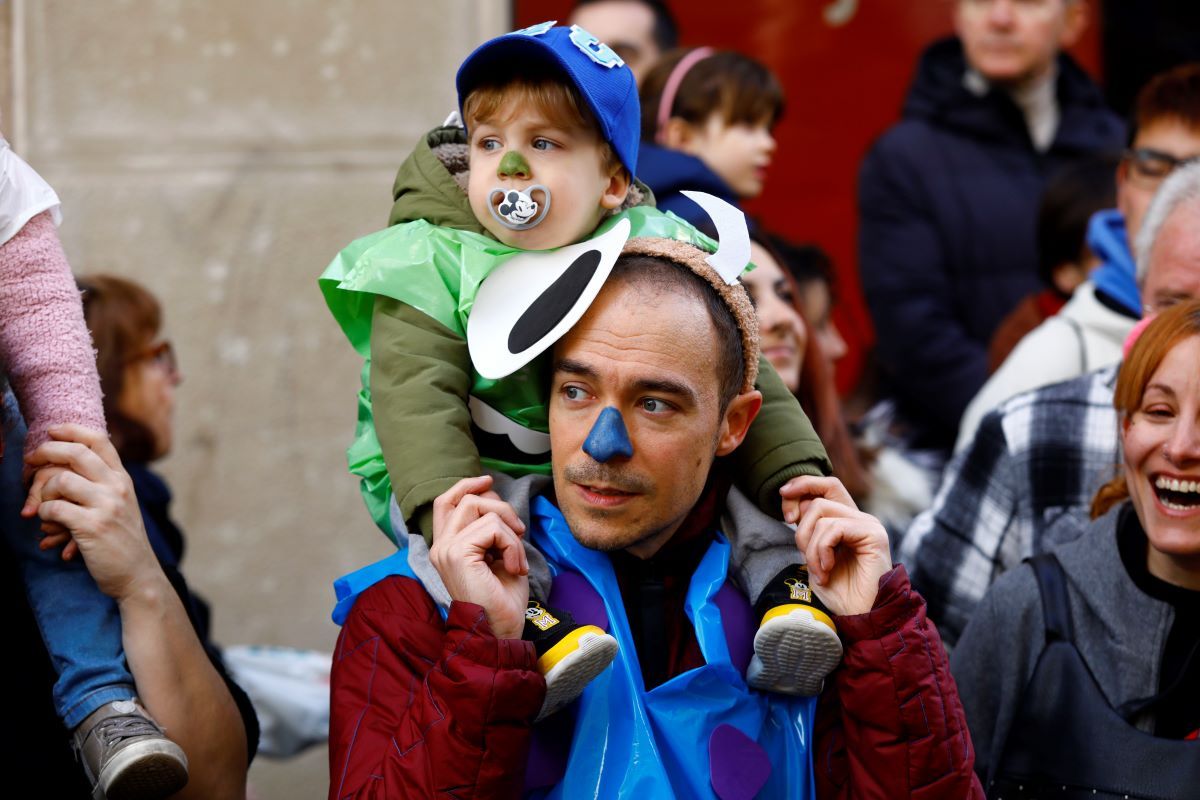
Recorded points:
(641, 544)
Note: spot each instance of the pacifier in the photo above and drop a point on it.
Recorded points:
(516, 209)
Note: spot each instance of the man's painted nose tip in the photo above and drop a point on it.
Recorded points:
(608, 438)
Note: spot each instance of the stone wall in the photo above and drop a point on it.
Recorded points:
(221, 153)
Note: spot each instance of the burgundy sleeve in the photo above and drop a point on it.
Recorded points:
(425, 708)
(891, 725)
(44, 344)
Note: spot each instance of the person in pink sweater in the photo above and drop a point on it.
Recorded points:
(47, 359)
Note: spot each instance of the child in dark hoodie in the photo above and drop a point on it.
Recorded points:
(706, 126)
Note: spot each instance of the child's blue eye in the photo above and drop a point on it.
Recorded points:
(489, 144)
(542, 144)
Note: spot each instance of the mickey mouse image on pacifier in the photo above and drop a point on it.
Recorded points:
(516, 209)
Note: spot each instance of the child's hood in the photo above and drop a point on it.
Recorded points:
(431, 184)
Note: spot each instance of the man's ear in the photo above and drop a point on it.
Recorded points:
(741, 412)
(1075, 22)
(617, 189)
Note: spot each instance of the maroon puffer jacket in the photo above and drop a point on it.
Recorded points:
(426, 708)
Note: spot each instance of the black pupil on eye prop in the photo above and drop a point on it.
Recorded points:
(553, 304)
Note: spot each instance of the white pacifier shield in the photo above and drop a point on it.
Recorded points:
(514, 299)
(514, 219)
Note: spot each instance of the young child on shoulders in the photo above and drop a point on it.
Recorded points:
(546, 160)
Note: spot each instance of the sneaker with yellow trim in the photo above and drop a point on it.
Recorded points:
(570, 655)
(797, 644)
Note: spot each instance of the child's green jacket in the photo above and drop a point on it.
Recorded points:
(402, 296)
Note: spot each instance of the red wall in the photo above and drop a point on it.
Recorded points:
(844, 84)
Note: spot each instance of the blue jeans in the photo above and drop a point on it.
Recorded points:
(80, 624)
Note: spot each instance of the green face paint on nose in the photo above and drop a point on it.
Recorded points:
(514, 163)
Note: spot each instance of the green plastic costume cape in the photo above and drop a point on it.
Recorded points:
(402, 296)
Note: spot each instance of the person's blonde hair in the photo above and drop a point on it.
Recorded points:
(1168, 329)
(560, 103)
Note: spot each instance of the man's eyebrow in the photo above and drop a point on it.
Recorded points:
(664, 386)
(573, 367)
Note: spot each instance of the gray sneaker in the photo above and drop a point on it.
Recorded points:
(127, 756)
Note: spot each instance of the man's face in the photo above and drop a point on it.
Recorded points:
(1012, 42)
(626, 26)
(519, 148)
(1173, 274)
(1144, 169)
(649, 353)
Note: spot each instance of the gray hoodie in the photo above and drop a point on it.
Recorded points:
(1119, 630)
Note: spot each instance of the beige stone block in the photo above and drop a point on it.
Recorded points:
(222, 152)
(291, 81)
(267, 407)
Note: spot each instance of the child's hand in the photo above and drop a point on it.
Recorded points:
(56, 534)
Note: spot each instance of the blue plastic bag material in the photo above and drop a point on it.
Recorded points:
(629, 742)
(348, 587)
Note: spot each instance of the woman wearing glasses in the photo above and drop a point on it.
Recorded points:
(1086, 334)
(121, 527)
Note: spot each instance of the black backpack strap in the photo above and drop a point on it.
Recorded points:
(1056, 608)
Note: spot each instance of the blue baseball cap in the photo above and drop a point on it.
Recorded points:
(599, 74)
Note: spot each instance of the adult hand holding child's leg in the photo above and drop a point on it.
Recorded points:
(93, 498)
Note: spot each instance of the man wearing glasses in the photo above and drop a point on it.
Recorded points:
(1088, 333)
(1026, 479)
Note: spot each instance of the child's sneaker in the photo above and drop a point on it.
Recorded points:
(797, 644)
(127, 756)
(569, 655)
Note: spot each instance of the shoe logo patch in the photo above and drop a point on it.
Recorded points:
(798, 590)
(541, 618)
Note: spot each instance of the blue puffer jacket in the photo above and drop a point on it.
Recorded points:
(948, 200)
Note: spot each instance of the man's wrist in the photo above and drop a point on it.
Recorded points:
(894, 603)
(510, 652)
(148, 592)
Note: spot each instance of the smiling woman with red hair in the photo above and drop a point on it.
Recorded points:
(1082, 667)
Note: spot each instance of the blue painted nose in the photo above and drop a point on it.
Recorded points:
(608, 437)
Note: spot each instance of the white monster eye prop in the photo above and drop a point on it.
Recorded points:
(527, 303)
(516, 209)
(531, 300)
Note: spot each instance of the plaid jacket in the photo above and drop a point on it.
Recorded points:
(1026, 482)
